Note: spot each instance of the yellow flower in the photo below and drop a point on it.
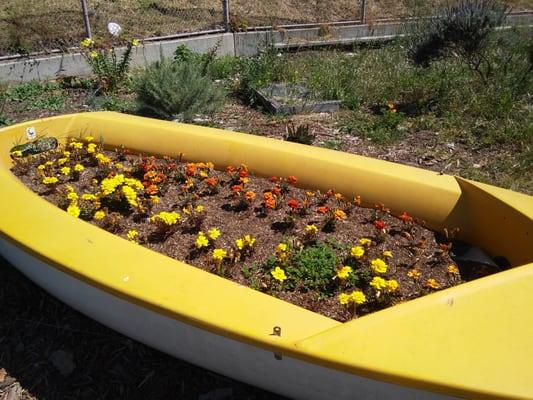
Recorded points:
(93, 54)
(73, 210)
(168, 218)
(201, 241)
(213, 233)
(432, 283)
(365, 242)
(199, 209)
(72, 196)
(132, 235)
(378, 283)
(41, 167)
(135, 42)
(62, 161)
(239, 243)
(65, 170)
(311, 229)
(87, 42)
(357, 297)
(91, 147)
(387, 253)
(154, 199)
(282, 247)
(357, 252)
(134, 183)
(391, 286)
(79, 168)
(50, 180)
(17, 153)
(453, 270)
(344, 298)
(88, 197)
(49, 163)
(131, 195)
(66, 153)
(99, 215)
(108, 185)
(100, 157)
(219, 254)
(344, 272)
(278, 274)
(414, 273)
(378, 266)
(249, 239)
(89, 138)
(76, 145)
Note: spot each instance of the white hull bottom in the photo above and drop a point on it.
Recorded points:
(243, 362)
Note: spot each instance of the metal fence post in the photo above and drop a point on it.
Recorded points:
(86, 18)
(363, 11)
(226, 11)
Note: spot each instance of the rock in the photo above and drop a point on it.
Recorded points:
(63, 361)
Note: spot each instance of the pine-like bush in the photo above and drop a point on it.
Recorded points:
(177, 91)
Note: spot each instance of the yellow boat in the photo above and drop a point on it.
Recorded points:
(473, 340)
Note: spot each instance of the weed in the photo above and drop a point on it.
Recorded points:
(36, 95)
(299, 134)
(314, 266)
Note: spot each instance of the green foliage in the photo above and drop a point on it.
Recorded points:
(111, 103)
(177, 90)
(384, 128)
(313, 267)
(299, 134)
(37, 95)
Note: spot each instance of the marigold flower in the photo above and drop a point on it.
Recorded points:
(278, 274)
(357, 252)
(391, 286)
(378, 283)
(387, 253)
(17, 153)
(151, 189)
(134, 183)
(213, 233)
(211, 181)
(62, 161)
(270, 203)
(378, 266)
(72, 196)
(236, 188)
(282, 247)
(73, 210)
(87, 42)
(168, 218)
(154, 199)
(199, 208)
(239, 243)
(132, 235)
(219, 254)
(88, 197)
(99, 215)
(344, 272)
(293, 204)
(292, 179)
(357, 297)
(93, 54)
(102, 158)
(405, 217)
(89, 138)
(250, 240)
(130, 195)
(49, 163)
(230, 169)
(91, 148)
(274, 179)
(379, 224)
(338, 214)
(365, 242)
(41, 167)
(432, 283)
(190, 169)
(311, 229)
(79, 168)
(249, 196)
(65, 170)
(344, 298)
(453, 270)
(201, 240)
(66, 153)
(414, 273)
(322, 209)
(76, 145)
(50, 180)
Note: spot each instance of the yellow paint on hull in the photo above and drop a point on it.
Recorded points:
(472, 340)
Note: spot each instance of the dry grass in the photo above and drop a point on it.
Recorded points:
(36, 25)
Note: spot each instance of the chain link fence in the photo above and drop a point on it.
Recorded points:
(28, 26)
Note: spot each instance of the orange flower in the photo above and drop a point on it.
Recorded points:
(276, 190)
(339, 214)
(190, 169)
(292, 179)
(432, 283)
(357, 200)
(294, 204)
(236, 188)
(211, 181)
(405, 217)
(322, 210)
(249, 196)
(268, 195)
(230, 169)
(270, 203)
(152, 189)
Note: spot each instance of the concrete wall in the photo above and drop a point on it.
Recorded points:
(238, 44)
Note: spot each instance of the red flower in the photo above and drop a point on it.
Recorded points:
(405, 217)
(330, 193)
(274, 179)
(230, 169)
(243, 173)
(294, 204)
(322, 210)
(379, 224)
(276, 190)
(236, 188)
(190, 169)
(292, 179)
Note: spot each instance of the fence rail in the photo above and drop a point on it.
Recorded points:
(28, 26)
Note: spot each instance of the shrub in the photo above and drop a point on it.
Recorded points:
(176, 90)
(314, 266)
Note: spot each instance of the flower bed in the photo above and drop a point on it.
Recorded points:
(321, 251)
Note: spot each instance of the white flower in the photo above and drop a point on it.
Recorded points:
(114, 28)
